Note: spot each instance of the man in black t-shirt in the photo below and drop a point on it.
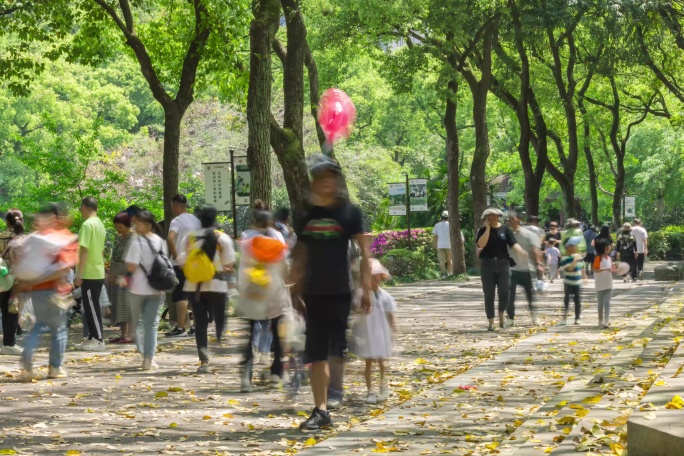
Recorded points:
(321, 271)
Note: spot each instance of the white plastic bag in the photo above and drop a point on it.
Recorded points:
(27, 316)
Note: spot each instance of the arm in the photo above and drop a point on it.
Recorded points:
(392, 323)
(434, 240)
(171, 243)
(365, 271)
(519, 250)
(482, 241)
(646, 246)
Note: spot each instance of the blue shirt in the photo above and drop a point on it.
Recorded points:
(573, 276)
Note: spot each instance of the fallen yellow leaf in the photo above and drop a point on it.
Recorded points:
(492, 446)
(161, 394)
(173, 425)
(310, 441)
(592, 400)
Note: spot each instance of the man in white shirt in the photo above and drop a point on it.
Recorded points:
(641, 238)
(442, 242)
(182, 224)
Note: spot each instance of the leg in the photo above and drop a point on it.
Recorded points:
(217, 311)
(200, 311)
(181, 313)
(450, 262)
(320, 377)
(91, 290)
(441, 257)
(526, 280)
(488, 277)
(566, 300)
(578, 305)
(510, 308)
(180, 299)
(136, 303)
(368, 374)
(503, 283)
(336, 384)
(640, 263)
(599, 304)
(58, 337)
(249, 352)
(150, 316)
(606, 306)
(277, 366)
(10, 322)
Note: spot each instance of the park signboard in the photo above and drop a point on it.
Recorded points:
(397, 198)
(418, 195)
(217, 185)
(630, 206)
(243, 182)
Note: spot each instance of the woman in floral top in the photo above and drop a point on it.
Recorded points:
(10, 320)
(121, 309)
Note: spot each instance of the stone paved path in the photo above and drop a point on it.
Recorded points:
(527, 378)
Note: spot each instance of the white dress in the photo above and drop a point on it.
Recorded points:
(371, 333)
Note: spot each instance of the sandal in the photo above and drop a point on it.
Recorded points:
(124, 341)
(115, 340)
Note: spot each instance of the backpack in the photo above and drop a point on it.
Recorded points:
(6, 279)
(199, 265)
(161, 275)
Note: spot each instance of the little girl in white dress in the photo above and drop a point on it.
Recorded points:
(374, 331)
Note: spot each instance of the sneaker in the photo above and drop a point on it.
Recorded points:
(26, 375)
(175, 329)
(605, 325)
(149, 364)
(56, 372)
(319, 419)
(510, 323)
(204, 369)
(371, 399)
(577, 321)
(490, 328)
(177, 333)
(11, 350)
(385, 393)
(79, 346)
(275, 379)
(535, 319)
(191, 333)
(334, 404)
(93, 345)
(624, 279)
(246, 379)
(264, 358)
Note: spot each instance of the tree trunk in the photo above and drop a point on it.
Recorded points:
(261, 32)
(453, 180)
(291, 158)
(480, 90)
(173, 117)
(593, 184)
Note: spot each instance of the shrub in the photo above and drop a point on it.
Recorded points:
(408, 264)
(421, 239)
(666, 245)
(673, 229)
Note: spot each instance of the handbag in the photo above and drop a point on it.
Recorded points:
(161, 275)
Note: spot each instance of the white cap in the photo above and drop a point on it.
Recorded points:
(445, 214)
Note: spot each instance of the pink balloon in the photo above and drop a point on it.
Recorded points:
(336, 114)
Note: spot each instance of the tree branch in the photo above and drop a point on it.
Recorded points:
(128, 17)
(280, 51)
(314, 90)
(193, 55)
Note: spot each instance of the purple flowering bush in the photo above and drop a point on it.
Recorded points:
(391, 247)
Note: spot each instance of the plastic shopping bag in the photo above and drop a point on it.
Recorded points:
(27, 316)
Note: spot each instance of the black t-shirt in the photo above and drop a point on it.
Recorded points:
(326, 232)
(556, 235)
(499, 239)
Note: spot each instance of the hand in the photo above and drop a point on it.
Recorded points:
(577, 256)
(366, 302)
(122, 282)
(78, 282)
(636, 255)
(486, 224)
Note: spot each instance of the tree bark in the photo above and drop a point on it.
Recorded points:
(172, 126)
(261, 32)
(480, 90)
(586, 143)
(453, 180)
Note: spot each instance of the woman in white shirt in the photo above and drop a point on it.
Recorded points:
(208, 298)
(144, 300)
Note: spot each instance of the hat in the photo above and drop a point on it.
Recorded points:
(627, 225)
(320, 163)
(574, 240)
(377, 268)
(491, 210)
(445, 214)
(573, 222)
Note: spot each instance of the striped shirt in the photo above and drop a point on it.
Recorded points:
(573, 276)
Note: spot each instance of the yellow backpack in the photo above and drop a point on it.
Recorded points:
(198, 266)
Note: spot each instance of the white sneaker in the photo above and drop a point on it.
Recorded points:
(385, 393)
(11, 350)
(605, 325)
(371, 399)
(204, 369)
(264, 358)
(56, 372)
(148, 364)
(26, 375)
(333, 404)
(94, 345)
(275, 380)
(510, 323)
(79, 346)
(535, 319)
(246, 379)
(577, 321)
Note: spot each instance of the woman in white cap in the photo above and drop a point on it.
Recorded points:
(493, 240)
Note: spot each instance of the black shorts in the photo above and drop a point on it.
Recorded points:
(589, 259)
(326, 326)
(178, 295)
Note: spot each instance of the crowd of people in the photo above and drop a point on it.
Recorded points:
(314, 270)
(511, 255)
